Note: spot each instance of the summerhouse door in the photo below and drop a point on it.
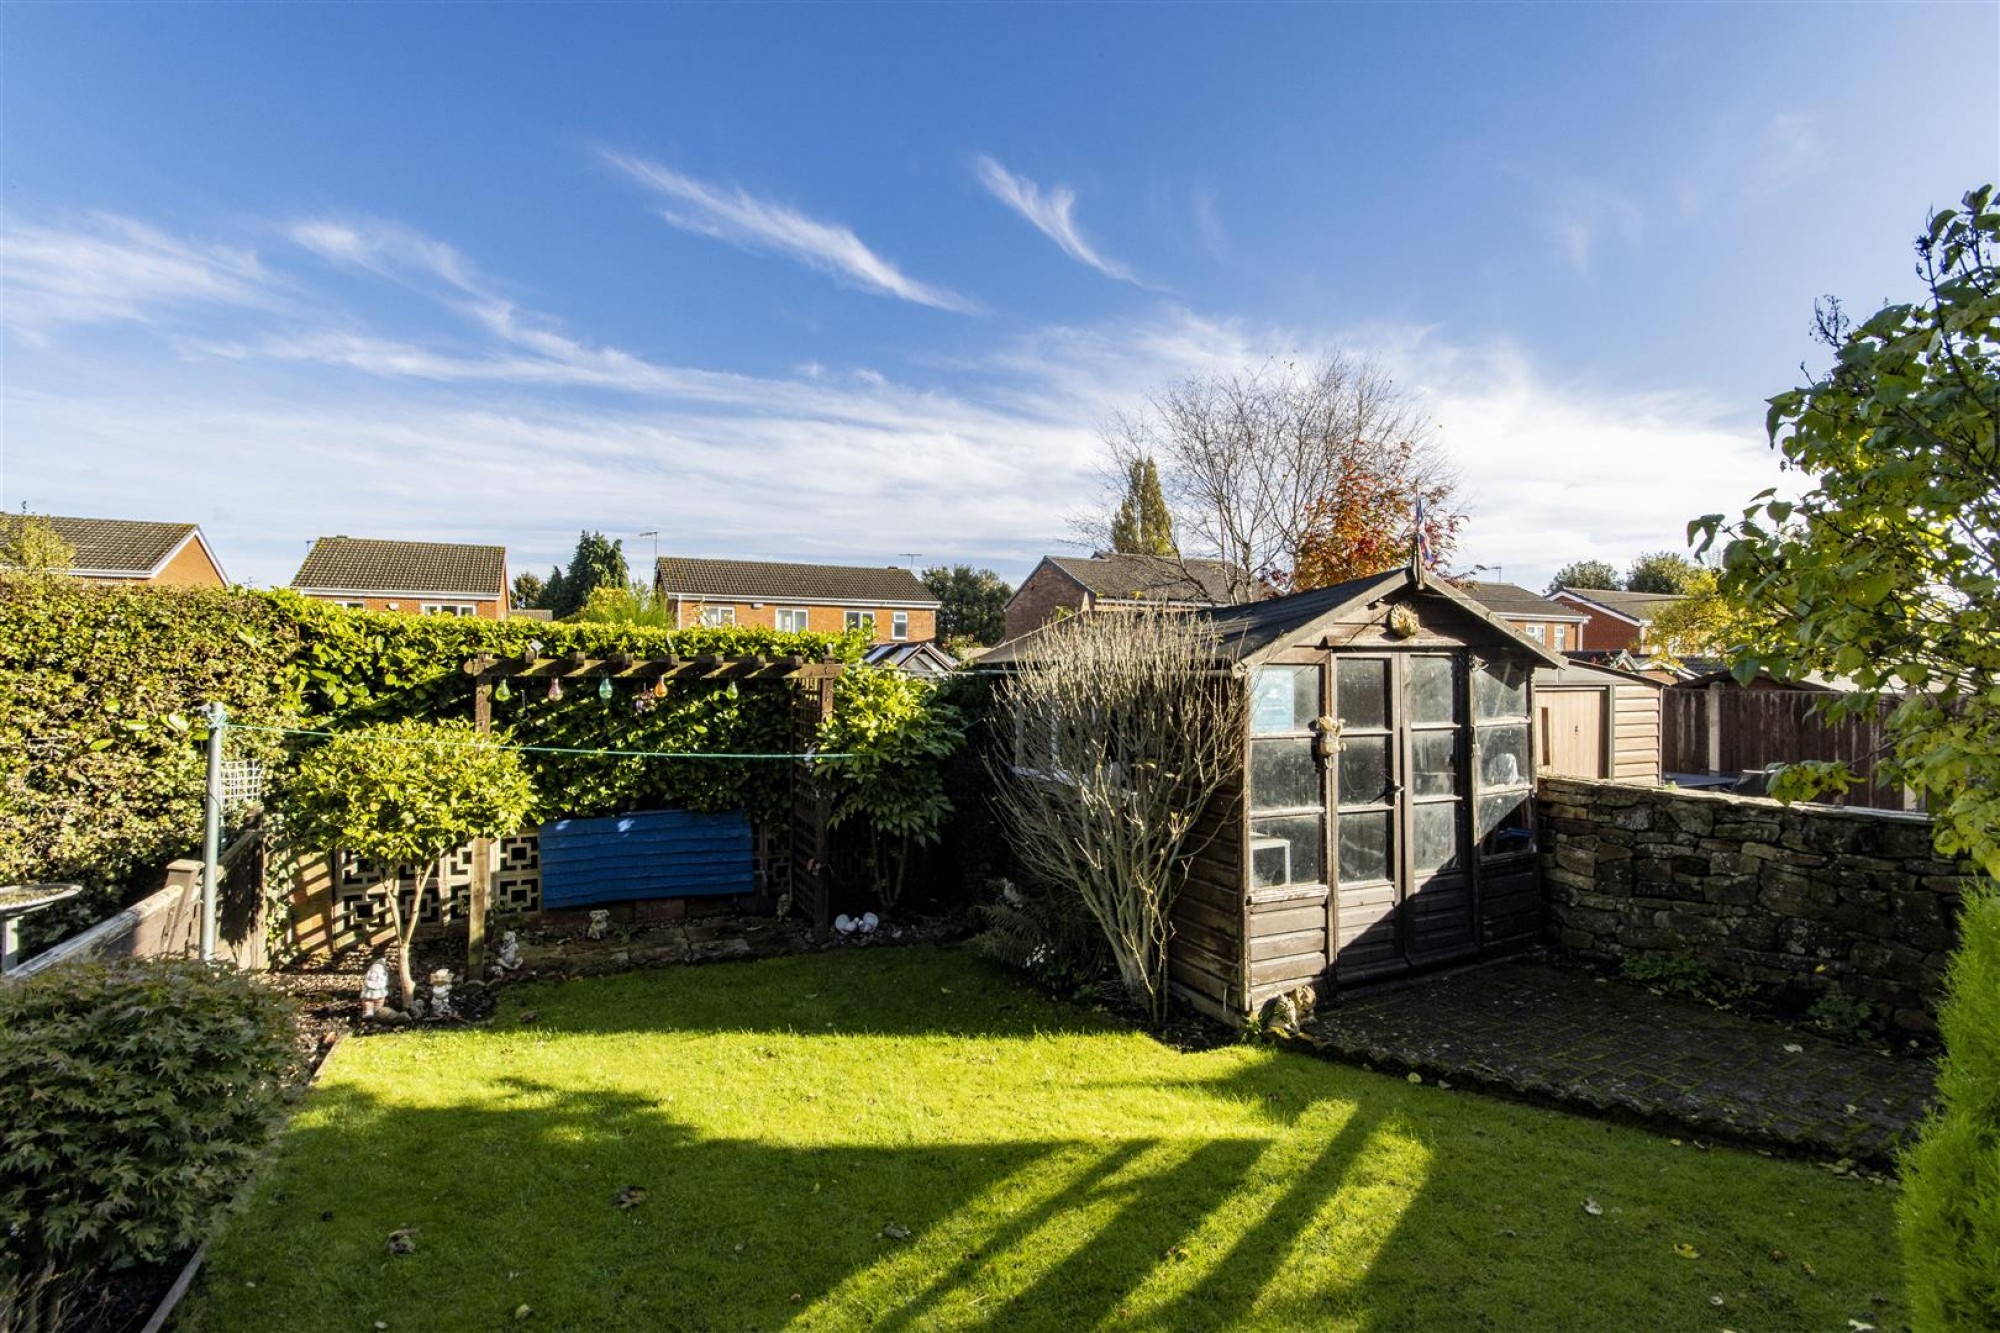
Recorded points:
(1402, 889)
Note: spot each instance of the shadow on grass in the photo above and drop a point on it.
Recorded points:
(824, 1182)
(515, 1202)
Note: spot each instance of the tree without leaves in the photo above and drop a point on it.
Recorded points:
(1888, 572)
(1661, 571)
(1252, 463)
(406, 793)
(1586, 574)
(1125, 733)
(972, 603)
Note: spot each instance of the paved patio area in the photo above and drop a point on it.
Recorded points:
(1560, 1035)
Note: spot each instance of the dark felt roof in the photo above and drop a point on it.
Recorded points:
(364, 564)
(1639, 606)
(113, 545)
(1516, 602)
(1151, 578)
(778, 581)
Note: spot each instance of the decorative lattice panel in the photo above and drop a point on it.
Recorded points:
(361, 888)
(517, 875)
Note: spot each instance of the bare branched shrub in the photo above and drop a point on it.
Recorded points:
(1122, 729)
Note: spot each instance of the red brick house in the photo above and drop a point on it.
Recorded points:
(419, 578)
(1074, 584)
(1615, 619)
(122, 550)
(1556, 624)
(886, 600)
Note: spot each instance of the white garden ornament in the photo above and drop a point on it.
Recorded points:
(374, 988)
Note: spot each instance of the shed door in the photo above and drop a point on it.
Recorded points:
(1572, 732)
(1403, 891)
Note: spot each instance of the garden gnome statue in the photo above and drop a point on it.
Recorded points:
(374, 988)
(441, 993)
(600, 924)
(510, 952)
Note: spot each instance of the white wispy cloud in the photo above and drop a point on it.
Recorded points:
(1051, 212)
(111, 269)
(1585, 214)
(326, 424)
(733, 215)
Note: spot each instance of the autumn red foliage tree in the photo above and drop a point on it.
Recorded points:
(1366, 522)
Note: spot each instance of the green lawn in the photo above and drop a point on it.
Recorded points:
(910, 1139)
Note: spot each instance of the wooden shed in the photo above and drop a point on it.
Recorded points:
(1384, 817)
(1597, 722)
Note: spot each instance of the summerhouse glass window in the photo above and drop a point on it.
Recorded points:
(1504, 813)
(1287, 790)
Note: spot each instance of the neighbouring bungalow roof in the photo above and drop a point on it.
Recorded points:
(1249, 632)
(113, 547)
(1511, 599)
(1152, 578)
(364, 564)
(1637, 607)
(782, 581)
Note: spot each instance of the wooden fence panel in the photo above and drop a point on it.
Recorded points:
(1752, 729)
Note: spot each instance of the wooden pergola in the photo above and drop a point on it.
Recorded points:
(812, 681)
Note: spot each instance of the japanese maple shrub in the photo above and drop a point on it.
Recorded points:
(134, 1100)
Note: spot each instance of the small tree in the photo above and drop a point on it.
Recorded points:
(597, 562)
(528, 590)
(406, 793)
(30, 544)
(1123, 730)
(1707, 623)
(972, 603)
(1586, 574)
(1662, 571)
(896, 735)
(1142, 525)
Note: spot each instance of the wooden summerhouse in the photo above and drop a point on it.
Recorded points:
(1384, 820)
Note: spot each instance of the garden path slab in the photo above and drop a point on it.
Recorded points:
(1562, 1035)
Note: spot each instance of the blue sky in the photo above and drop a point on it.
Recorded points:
(846, 282)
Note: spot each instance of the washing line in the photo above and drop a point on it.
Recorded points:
(808, 756)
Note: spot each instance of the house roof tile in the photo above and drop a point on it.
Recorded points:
(1152, 578)
(1516, 602)
(118, 546)
(356, 564)
(1636, 606)
(777, 581)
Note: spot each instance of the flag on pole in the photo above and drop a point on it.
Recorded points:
(1420, 544)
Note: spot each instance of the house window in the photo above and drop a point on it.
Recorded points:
(864, 620)
(1539, 633)
(353, 606)
(899, 625)
(792, 619)
(449, 609)
(718, 615)
(1561, 635)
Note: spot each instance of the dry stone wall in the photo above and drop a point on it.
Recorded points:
(1800, 898)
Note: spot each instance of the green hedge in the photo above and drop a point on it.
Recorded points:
(1949, 1215)
(101, 766)
(101, 771)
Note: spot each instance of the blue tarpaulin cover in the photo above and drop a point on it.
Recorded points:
(649, 854)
